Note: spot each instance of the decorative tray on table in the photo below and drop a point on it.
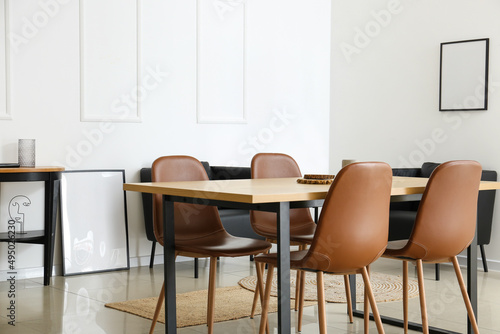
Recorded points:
(316, 179)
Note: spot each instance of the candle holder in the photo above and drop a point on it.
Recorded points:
(26, 152)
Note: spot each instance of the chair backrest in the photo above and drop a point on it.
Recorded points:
(353, 226)
(446, 218)
(191, 220)
(274, 165)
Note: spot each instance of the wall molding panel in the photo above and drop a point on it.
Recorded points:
(110, 61)
(220, 63)
(4, 61)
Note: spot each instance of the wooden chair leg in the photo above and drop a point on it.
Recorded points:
(465, 295)
(258, 288)
(301, 301)
(211, 295)
(265, 300)
(371, 298)
(421, 291)
(366, 306)
(159, 304)
(298, 279)
(348, 297)
(405, 296)
(321, 302)
(300, 276)
(257, 292)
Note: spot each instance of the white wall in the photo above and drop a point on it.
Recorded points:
(286, 91)
(384, 88)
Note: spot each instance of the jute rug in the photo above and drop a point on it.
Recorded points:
(231, 303)
(235, 302)
(385, 287)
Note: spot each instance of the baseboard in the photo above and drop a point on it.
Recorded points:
(144, 260)
(37, 272)
(493, 265)
(29, 273)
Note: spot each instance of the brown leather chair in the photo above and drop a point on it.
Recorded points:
(302, 226)
(444, 227)
(351, 233)
(198, 229)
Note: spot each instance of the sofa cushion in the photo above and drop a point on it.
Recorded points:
(412, 172)
(230, 173)
(428, 168)
(401, 224)
(226, 172)
(237, 223)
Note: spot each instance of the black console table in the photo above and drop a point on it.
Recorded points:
(51, 176)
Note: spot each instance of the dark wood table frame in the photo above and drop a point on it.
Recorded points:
(51, 176)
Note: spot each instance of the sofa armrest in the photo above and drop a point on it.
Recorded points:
(147, 205)
(485, 208)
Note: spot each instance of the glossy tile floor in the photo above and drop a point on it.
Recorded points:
(76, 304)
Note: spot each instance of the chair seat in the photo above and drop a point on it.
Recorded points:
(222, 243)
(272, 258)
(410, 251)
(396, 245)
(300, 233)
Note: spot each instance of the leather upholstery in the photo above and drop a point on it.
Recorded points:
(198, 228)
(402, 214)
(446, 220)
(353, 226)
(275, 165)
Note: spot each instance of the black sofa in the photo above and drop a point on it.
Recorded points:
(236, 222)
(402, 214)
(401, 218)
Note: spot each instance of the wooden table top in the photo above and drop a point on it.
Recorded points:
(36, 169)
(269, 190)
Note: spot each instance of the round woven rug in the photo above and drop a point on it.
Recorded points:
(385, 287)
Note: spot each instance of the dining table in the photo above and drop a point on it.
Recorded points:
(277, 195)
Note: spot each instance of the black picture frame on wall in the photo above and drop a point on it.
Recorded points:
(463, 76)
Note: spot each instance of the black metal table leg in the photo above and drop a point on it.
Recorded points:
(472, 279)
(51, 201)
(283, 217)
(169, 265)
